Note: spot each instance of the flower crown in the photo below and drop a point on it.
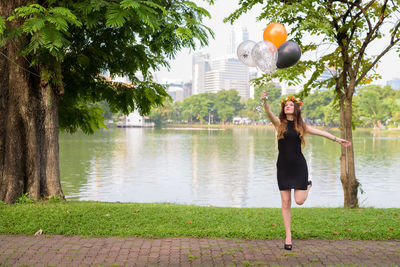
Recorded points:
(293, 99)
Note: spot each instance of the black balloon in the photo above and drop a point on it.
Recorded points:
(288, 54)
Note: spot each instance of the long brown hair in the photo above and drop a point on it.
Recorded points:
(299, 124)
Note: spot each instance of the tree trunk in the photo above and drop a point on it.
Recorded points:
(29, 125)
(347, 167)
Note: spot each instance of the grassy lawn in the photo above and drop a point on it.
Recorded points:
(89, 218)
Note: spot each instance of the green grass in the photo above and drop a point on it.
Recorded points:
(88, 218)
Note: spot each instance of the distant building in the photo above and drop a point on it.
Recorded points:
(213, 75)
(134, 119)
(245, 34)
(200, 65)
(226, 74)
(232, 43)
(187, 89)
(252, 75)
(395, 84)
(177, 89)
(290, 90)
(327, 74)
(175, 92)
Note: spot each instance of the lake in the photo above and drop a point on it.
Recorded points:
(219, 167)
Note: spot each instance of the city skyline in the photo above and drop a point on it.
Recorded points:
(181, 66)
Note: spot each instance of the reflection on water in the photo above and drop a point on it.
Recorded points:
(234, 168)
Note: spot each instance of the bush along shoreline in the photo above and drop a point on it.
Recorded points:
(158, 220)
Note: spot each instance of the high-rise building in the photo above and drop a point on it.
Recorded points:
(245, 34)
(232, 42)
(200, 65)
(219, 74)
(395, 84)
(226, 74)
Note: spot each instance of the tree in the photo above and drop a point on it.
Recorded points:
(315, 105)
(51, 55)
(348, 28)
(375, 103)
(227, 104)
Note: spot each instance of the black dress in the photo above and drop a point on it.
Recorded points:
(291, 164)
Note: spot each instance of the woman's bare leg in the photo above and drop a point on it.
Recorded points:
(300, 196)
(286, 214)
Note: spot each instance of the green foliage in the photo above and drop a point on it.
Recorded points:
(70, 43)
(2, 25)
(227, 104)
(317, 105)
(24, 199)
(222, 106)
(377, 104)
(320, 107)
(55, 199)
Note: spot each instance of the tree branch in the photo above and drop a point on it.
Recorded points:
(371, 35)
(395, 29)
(392, 43)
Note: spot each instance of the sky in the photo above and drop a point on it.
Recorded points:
(181, 66)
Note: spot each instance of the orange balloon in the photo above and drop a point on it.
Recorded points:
(275, 33)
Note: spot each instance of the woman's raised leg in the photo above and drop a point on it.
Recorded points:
(286, 214)
(300, 196)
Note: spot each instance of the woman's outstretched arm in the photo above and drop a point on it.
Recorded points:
(275, 121)
(314, 131)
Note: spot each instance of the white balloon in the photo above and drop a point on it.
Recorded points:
(265, 55)
(244, 53)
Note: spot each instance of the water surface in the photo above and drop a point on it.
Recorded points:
(232, 168)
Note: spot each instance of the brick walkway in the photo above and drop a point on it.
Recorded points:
(78, 251)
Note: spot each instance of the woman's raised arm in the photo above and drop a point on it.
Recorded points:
(314, 131)
(275, 120)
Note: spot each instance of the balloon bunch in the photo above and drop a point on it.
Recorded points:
(271, 53)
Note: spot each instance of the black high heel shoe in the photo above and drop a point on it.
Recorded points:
(288, 246)
(309, 183)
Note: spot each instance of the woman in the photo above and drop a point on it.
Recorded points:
(291, 164)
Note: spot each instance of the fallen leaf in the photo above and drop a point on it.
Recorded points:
(391, 229)
(39, 232)
(67, 211)
(190, 222)
(372, 221)
(136, 211)
(107, 215)
(273, 225)
(335, 233)
(347, 229)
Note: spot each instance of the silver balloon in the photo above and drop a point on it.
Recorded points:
(244, 53)
(265, 55)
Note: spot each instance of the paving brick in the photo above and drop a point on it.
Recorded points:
(78, 251)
